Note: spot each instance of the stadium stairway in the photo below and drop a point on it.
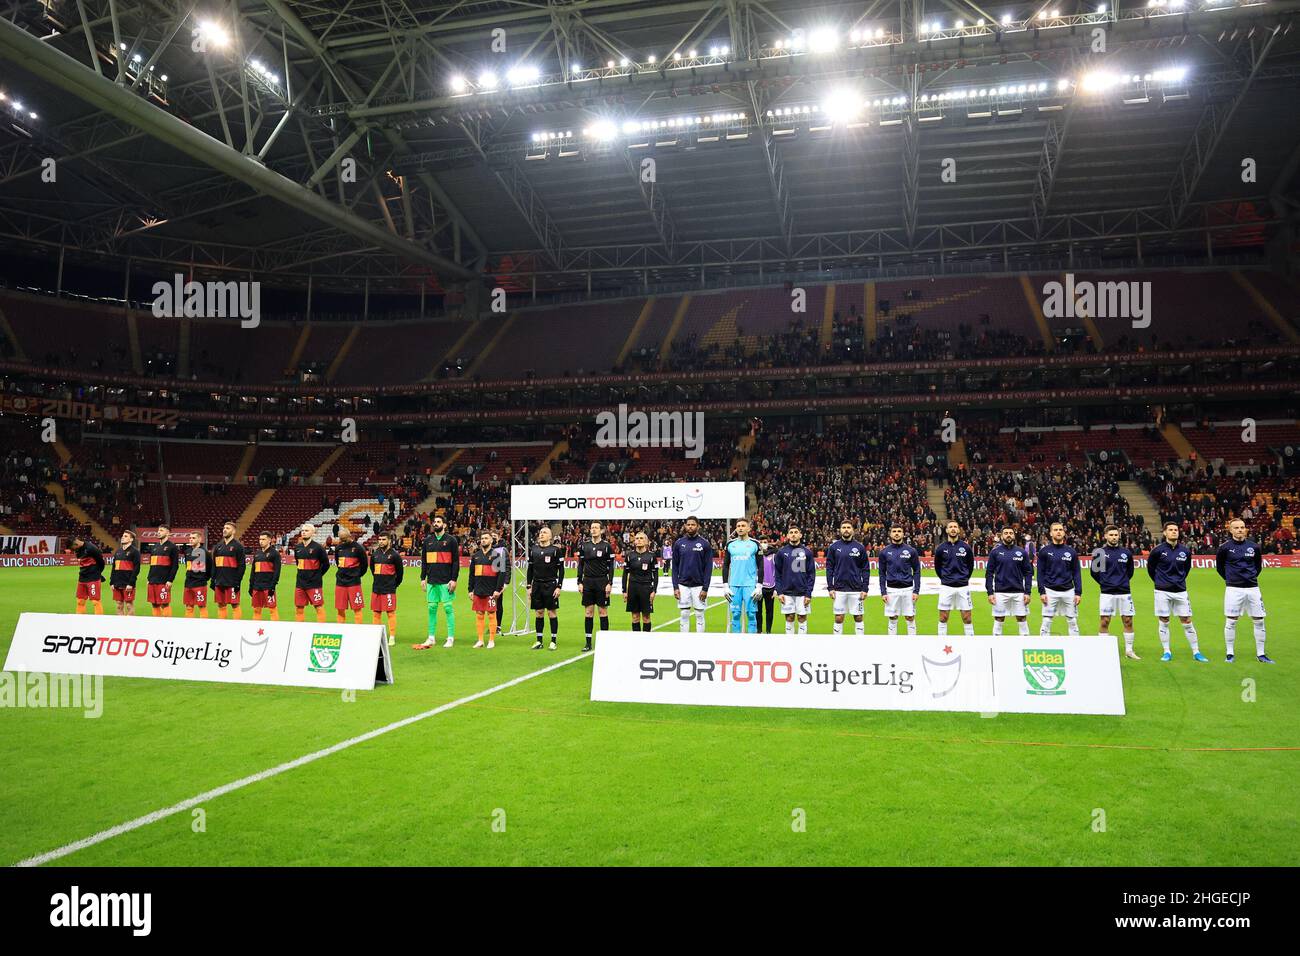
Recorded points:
(254, 510)
(7, 331)
(185, 330)
(342, 353)
(934, 495)
(133, 336)
(628, 345)
(241, 473)
(543, 470)
(1036, 309)
(957, 457)
(666, 346)
(328, 463)
(298, 347)
(1177, 440)
(1267, 307)
(1141, 503)
(496, 339)
(828, 319)
(79, 513)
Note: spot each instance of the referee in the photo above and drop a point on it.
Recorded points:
(640, 581)
(595, 578)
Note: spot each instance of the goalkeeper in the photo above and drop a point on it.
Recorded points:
(740, 578)
(439, 569)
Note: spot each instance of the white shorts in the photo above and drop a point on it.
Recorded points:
(1173, 604)
(898, 603)
(1012, 604)
(1110, 605)
(796, 604)
(848, 602)
(1237, 601)
(950, 597)
(691, 597)
(1059, 602)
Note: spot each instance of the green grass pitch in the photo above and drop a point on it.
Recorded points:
(1196, 774)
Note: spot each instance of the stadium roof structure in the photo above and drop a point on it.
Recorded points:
(510, 140)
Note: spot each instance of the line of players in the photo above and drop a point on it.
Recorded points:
(755, 573)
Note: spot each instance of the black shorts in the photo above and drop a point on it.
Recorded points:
(594, 593)
(544, 597)
(638, 599)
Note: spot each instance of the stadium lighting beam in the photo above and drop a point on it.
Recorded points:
(104, 95)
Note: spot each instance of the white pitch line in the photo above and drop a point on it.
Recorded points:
(148, 818)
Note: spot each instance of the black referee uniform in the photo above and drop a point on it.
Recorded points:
(640, 582)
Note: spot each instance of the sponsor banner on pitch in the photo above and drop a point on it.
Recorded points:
(656, 501)
(340, 656)
(1078, 675)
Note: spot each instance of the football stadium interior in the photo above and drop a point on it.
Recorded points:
(364, 265)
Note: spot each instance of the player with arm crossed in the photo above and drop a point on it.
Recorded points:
(439, 570)
(899, 571)
(692, 570)
(489, 573)
(848, 576)
(386, 573)
(229, 563)
(740, 578)
(796, 573)
(1060, 581)
(1008, 579)
(126, 571)
(544, 578)
(90, 574)
(1167, 566)
(164, 562)
(312, 562)
(264, 577)
(954, 562)
(1239, 562)
(640, 581)
(198, 572)
(1112, 569)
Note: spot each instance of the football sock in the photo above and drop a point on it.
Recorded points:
(1074, 625)
(1163, 628)
(1045, 629)
(803, 625)
(1024, 627)
(857, 627)
(892, 628)
(837, 627)
(1230, 634)
(911, 628)
(997, 627)
(1190, 630)
(789, 626)
(942, 629)
(686, 621)
(555, 627)
(699, 622)
(1259, 637)
(604, 622)
(1128, 640)
(969, 629)
(586, 626)
(541, 627)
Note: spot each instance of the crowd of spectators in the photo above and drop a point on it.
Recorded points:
(1203, 500)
